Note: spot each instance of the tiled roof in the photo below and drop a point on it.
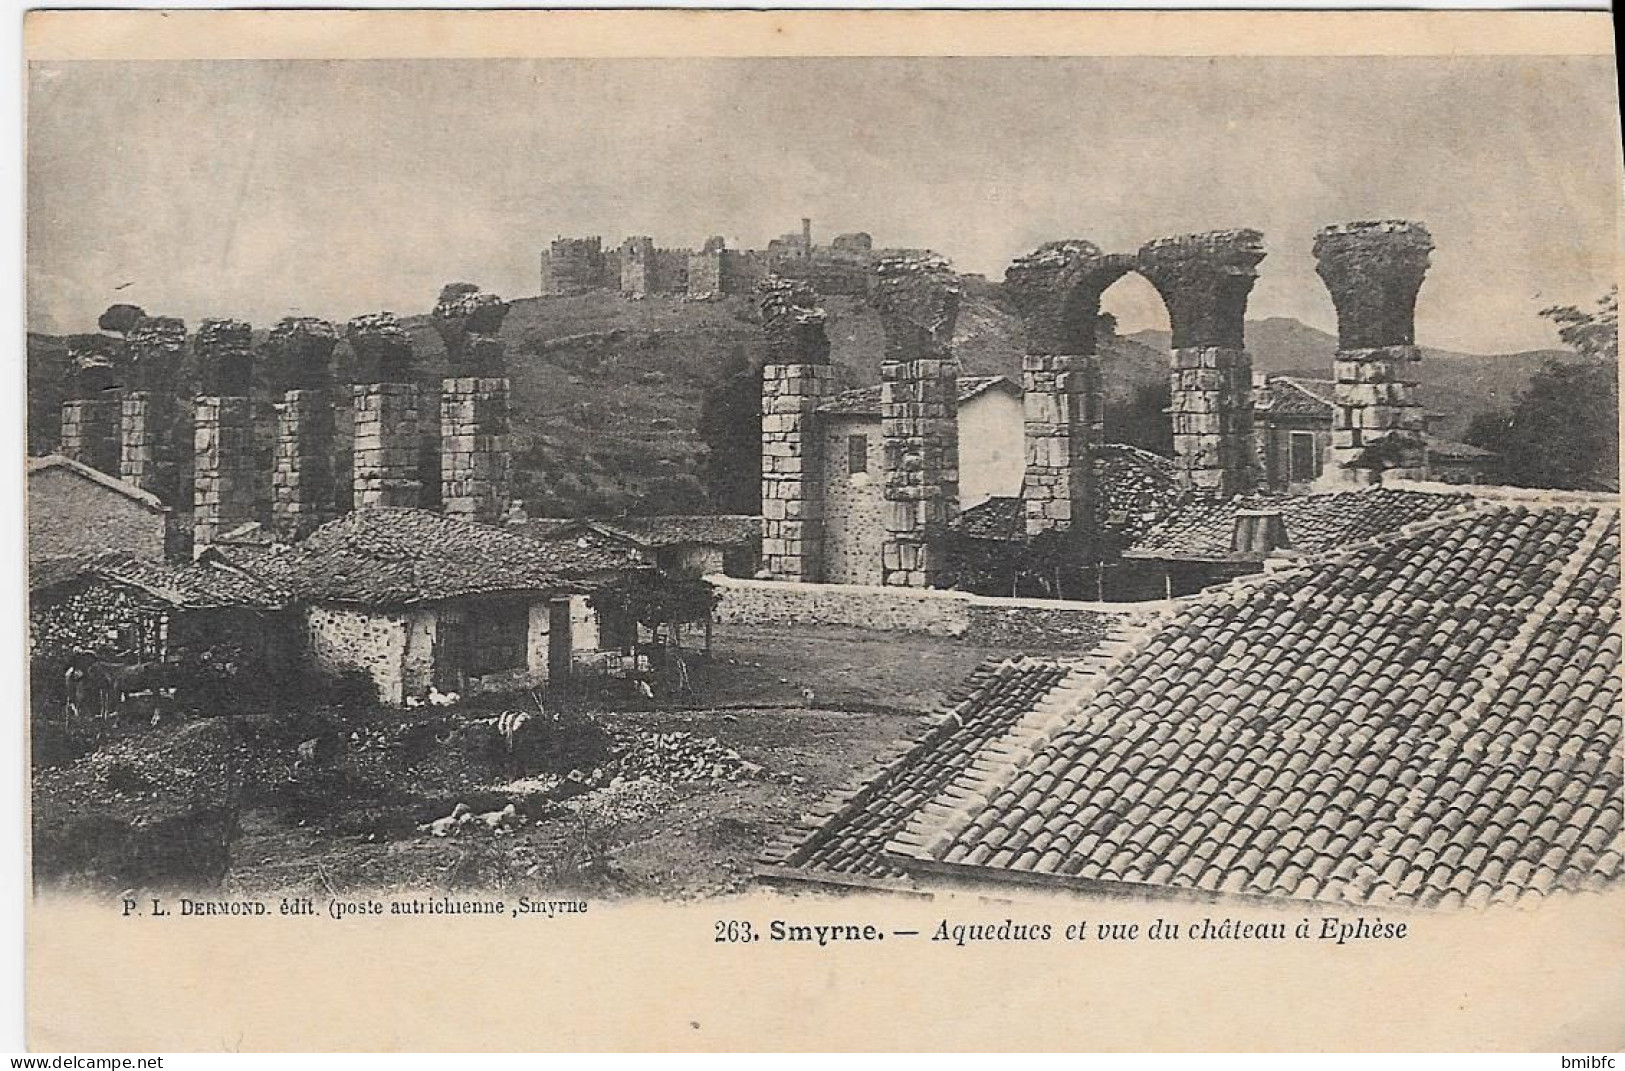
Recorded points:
(400, 556)
(865, 401)
(195, 586)
(1295, 396)
(1133, 485)
(1000, 518)
(1430, 718)
(1314, 523)
(848, 836)
(721, 530)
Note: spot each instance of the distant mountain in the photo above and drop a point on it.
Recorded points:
(1455, 386)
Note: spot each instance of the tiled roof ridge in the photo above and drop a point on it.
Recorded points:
(934, 825)
(792, 846)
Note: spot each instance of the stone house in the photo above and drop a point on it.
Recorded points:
(1292, 428)
(991, 464)
(77, 511)
(217, 624)
(416, 599)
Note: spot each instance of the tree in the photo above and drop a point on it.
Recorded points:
(1594, 335)
(731, 427)
(1563, 429)
(659, 601)
(121, 319)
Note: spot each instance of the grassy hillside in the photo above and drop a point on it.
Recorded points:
(608, 391)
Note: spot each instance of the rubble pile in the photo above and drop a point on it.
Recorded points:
(679, 757)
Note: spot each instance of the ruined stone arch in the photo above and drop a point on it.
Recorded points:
(1204, 281)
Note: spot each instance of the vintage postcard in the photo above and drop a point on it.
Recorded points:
(841, 530)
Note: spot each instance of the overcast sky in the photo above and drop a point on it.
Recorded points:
(259, 189)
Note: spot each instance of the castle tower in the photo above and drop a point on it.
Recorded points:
(223, 430)
(1204, 280)
(795, 379)
(475, 466)
(638, 267)
(384, 468)
(1057, 289)
(918, 300)
(90, 415)
(151, 419)
(302, 484)
(1374, 271)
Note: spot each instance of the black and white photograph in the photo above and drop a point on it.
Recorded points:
(1153, 486)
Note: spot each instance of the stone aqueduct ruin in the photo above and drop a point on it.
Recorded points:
(1373, 271)
(140, 436)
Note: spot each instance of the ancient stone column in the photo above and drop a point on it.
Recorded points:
(151, 420)
(795, 380)
(1057, 289)
(90, 416)
(1374, 271)
(385, 459)
(475, 466)
(918, 301)
(1204, 280)
(302, 485)
(222, 430)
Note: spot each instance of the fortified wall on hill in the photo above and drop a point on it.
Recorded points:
(638, 268)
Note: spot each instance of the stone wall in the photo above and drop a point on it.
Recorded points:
(575, 266)
(923, 611)
(853, 504)
(223, 468)
(474, 460)
(918, 302)
(1374, 271)
(385, 463)
(341, 638)
(304, 483)
(796, 377)
(302, 477)
(90, 432)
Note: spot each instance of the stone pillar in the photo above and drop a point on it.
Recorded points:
(385, 399)
(90, 416)
(918, 301)
(1374, 271)
(222, 430)
(302, 484)
(151, 423)
(1058, 288)
(474, 461)
(796, 378)
(1204, 280)
(475, 466)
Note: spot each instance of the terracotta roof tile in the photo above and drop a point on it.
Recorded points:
(399, 556)
(1440, 759)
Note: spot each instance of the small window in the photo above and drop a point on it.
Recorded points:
(1302, 457)
(857, 454)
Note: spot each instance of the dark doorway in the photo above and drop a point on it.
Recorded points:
(558, 642)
